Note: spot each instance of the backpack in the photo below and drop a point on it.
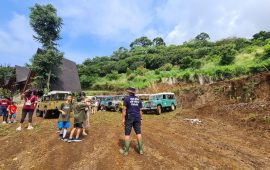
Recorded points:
(28, 102)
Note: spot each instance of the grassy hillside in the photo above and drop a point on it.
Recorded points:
(197, 60)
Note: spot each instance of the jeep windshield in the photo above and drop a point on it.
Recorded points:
(118, 97)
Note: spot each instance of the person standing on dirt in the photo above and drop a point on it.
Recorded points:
(64, 117)
(132, 117)
(12, 110)
(30, 102)
(80, 110)
(4, 103)
(86, 113)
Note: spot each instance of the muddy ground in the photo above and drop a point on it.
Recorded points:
(170, 143)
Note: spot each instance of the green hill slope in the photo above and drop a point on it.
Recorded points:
(199, 60)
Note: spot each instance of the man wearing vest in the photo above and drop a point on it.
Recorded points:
(132, 117)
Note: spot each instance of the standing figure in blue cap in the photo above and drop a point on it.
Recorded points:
(132, 117)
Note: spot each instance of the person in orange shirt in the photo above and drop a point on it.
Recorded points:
(12, 110)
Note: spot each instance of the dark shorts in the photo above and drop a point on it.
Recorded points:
(78, 125)
(3, 111)
(132, 122)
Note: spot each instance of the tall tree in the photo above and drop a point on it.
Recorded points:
(141, 42)
(158, 41)
(47, 26)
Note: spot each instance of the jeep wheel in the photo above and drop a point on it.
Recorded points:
(172, 107)
(45, 114)
(116, 108)
(159, 110)
(38, 114)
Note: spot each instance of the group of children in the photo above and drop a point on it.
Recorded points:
(80, 110)
(8, 110)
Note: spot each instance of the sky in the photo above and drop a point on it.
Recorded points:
(99, 27)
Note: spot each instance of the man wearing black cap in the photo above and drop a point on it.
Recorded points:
(131, 117)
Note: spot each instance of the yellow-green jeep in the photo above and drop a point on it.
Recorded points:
(50, 103)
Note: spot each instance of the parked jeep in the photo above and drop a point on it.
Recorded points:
(160, 102)
(50, 103)
(144, 98)
(114, 103)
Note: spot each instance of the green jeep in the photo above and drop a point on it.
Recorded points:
(160, 102)
(50, 103)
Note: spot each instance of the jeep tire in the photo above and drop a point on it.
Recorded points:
(159, 109)
(173, 107)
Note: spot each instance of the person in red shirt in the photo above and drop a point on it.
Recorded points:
(4, 103)
(12, 110)
(30, 102)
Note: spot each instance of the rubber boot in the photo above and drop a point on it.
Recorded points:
(140, 146)
(125, 149)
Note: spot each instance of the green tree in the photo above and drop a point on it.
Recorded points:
(45, 65)
(227, 54)
(120, 54)
(141, 42)
(188, 62)
(262, 35)
(203, 37)
(47, 26)
(158, 41)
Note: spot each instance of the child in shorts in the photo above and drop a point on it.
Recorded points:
(64, 117)
(12, 110)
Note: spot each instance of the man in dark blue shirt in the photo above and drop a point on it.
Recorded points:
(131, 117)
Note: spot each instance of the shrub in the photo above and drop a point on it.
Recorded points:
(226, 59)
(131, 77)
(157, 71)
(188, 62)
(166, 67)
(87, 81)
(266, 51)
(140, 71)
(113, 76)
(227, 55)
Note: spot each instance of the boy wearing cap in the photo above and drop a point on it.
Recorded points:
(131, 118)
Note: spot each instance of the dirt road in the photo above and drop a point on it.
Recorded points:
(170, 143)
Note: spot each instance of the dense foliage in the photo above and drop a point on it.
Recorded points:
(148, 61)
(6, 72)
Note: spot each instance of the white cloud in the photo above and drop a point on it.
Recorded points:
(109, 19)
(16, 42)
(176, 36)
(221, 19)
(114, 23)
